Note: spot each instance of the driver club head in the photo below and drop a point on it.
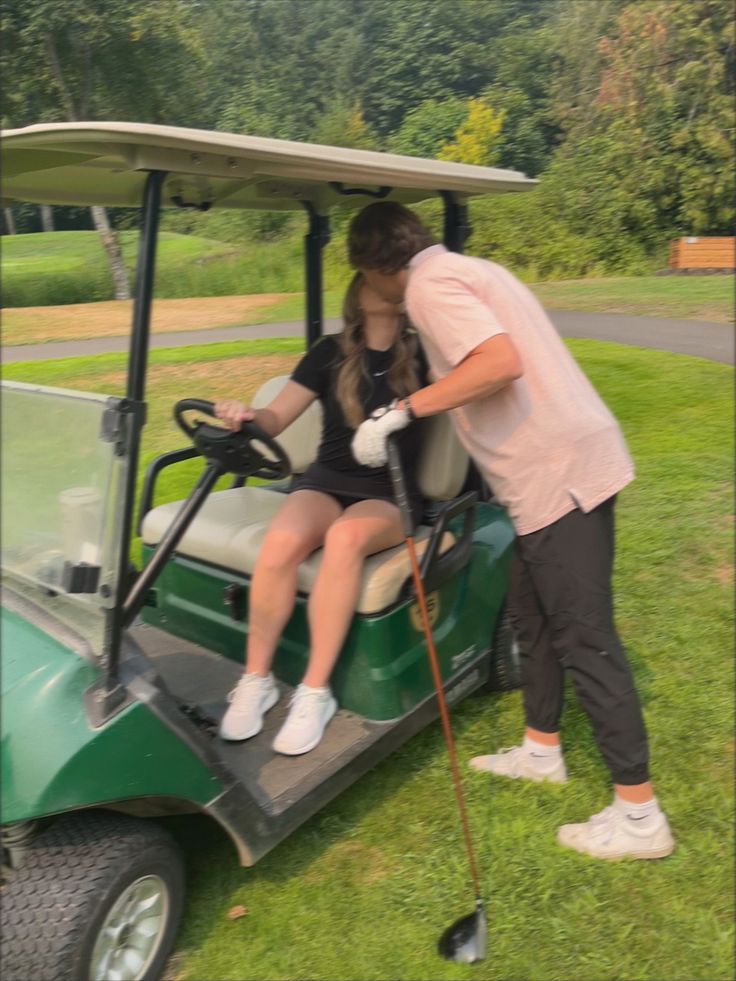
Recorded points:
(466, 939)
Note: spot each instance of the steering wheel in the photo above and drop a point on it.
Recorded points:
(239, 452)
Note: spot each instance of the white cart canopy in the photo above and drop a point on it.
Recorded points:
(106, 163)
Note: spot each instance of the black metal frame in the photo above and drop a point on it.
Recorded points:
(135, 407)
(315, 240)
(457, 223)
(152, 474)
(154, 471)
(171, 538)
(437, 567)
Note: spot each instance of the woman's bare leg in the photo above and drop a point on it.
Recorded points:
(364, 528)
(297, 530)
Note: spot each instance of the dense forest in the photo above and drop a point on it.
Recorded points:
(623, 110)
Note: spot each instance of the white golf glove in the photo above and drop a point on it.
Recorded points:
(369, 442)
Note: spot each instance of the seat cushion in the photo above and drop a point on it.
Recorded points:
(229, 532)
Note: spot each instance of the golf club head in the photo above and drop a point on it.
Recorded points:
(465, 940)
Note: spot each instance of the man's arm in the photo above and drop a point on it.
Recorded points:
(488, 368)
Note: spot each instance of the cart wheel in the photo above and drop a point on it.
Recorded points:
(98, 896)
(505, 671)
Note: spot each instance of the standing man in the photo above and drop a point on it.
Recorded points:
(555, 457)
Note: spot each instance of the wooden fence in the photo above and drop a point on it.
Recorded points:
(703, 253)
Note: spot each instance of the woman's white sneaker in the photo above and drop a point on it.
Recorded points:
(525, 762)
(311, 709)
(249, 701)
(619, 831)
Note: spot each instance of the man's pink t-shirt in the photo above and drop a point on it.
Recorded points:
(546, 442)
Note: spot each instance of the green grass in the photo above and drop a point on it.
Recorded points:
(49, 268)
(689, 297)
(292, 309)
(364, 888)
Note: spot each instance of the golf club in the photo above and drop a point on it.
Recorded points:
(464, 940)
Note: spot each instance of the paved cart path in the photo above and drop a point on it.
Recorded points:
(701, 339)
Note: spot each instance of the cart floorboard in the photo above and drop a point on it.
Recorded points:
(196, 675)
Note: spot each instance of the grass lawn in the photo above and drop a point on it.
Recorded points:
(69, 267)
(112, 318)
(690, 297)
(56, 287)
(364, 888)
(52, 268)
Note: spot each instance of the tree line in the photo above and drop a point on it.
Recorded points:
(623, 109)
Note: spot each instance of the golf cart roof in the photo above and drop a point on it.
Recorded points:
(104, 163)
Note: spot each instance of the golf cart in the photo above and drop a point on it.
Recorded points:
(114, 679)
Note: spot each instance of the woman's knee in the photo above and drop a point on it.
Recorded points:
(346, 540)
(283, 548)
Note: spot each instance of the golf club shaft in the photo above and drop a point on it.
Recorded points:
(402, 501)
(444, 713)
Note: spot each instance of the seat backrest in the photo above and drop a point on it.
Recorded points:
(443, 462)
(301, 438)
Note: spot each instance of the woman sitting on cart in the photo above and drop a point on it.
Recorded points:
(337, 504)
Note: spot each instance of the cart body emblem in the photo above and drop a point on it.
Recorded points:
(433, 609)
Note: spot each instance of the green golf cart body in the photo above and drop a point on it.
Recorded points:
(113, 681)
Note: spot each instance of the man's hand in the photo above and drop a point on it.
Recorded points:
(233, 413)
(369, 442)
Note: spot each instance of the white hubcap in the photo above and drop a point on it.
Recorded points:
(132, 932)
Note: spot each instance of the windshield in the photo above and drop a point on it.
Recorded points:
(62, 495)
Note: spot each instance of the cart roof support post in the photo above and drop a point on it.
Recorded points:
(145, 271)
(457, 223)
(315, 240)
(135, 407)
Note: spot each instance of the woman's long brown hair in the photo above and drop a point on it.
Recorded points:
(402, 374)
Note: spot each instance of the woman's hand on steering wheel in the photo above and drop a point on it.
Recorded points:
(248, 451)
(234, 413)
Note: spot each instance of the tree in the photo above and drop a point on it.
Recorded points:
(282, 63)
(660, 120)
(641, 96)
(477, 138)
(47, 217)
(424, 49)
(667, 88)
(86, 59)
(574, 33)
(10, 228)
(428, 127)
(344, 125)
(526, 141)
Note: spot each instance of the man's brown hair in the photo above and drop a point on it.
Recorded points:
(385, 236)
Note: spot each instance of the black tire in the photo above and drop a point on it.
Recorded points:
(505, 673)
(56, 902)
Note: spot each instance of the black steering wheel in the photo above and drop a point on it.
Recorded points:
(235, 452)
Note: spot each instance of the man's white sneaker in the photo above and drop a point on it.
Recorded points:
(614, 833)
(249, 701)
(522, 763)
(311, 710)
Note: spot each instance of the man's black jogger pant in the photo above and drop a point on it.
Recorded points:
(561, 605)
